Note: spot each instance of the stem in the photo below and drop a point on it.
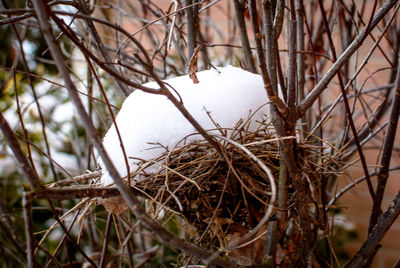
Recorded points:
(105, 243)
(335, 68)
(100, 45)
(301, 66)
(390, 136)
(239, 11)
(42, 12)
(346, 104)
(384, 222)
(273, 96)
(270, 45)
(12, 141)
(190, 24)
(27, 206)
(291, 98)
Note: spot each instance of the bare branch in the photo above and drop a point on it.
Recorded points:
(30, 241)
(105, 242)
(335, 68)
(190, 24)
(43, 12)
(346, 105)
(292, 65)
(25, 165)
(383, 224)
(273, 96)
(100, 46)
(239, 11)
(390, 136)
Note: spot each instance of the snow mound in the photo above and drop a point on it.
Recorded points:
(147, 119)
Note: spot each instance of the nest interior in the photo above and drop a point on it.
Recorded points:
(215, 197)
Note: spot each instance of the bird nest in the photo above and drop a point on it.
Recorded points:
(212, 193)
(219, 197)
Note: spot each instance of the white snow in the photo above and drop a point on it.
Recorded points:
(145, 118)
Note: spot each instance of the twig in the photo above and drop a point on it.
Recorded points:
(271, 179)
(271, 49)
(335, 68)
(121, 143)
(42, 12)
(301, 66)
(104, 65)
(78, 178)
(190, 24)
(30, 241)
(15, 19)
(105, 242)
(11, 230)
(12, 141)
(244, 38)
(397, 264)
(383, 224)
(171, 30)
(353, 184)
(21, 121)
(179, 105)
(100, 46)
(15, 11)
(346, 104)
(41, 117)
(292, 65)
(273, 96)
(390, 136)
(69, 236)
(79, 192)
(60, 243)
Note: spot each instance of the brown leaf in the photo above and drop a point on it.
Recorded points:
(193, 65)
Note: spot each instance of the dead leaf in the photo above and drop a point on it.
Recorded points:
(193, 65)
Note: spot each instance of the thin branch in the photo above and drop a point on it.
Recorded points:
(190, 24)
(387, 152)
(397, 264)
(273, 96)
(353, 184)
(78, 178)
(79, 192)
(67, 233)
(301, 66)
(383, 224)
(104, 65)
(15, 19)
(239, 12)
(60, 243)
(100, 46)
(292, 65)
(335, 68)
(105, 242)
(42, 12)
(24, 163)
(15, 11)
(179, 105)
(9, 225)
(41, 117)
(346, 104)
(271, 180)
(30, 241)
(270, 46)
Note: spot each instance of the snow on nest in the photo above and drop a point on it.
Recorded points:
(145, 119)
